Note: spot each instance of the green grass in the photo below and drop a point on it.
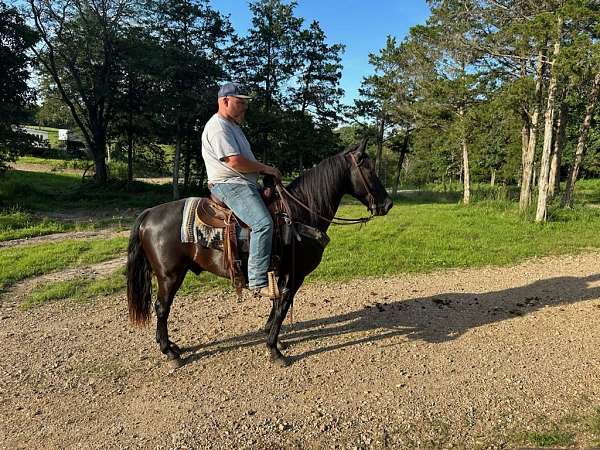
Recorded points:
(79, 289)
(67, 192)
(549, 438)
(426, 237)
(55, 164)
(424, 232)
(15, 224)
(587, 191)
(593, 425)
(17, 264)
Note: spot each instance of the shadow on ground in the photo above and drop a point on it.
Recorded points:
(433, 319)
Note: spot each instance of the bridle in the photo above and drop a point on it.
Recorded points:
(335, 220)
(370, 196)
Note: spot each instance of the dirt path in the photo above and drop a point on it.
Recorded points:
(105, 234)
(464, 358)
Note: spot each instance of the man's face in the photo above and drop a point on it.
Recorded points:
(235, 108)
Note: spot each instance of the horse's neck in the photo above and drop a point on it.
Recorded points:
(329, 199)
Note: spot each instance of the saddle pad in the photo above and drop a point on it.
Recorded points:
(195, 232)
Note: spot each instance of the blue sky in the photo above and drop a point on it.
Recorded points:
(362, 26)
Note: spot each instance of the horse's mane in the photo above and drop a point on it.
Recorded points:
(318, 186)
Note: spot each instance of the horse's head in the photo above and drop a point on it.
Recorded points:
(364, 182)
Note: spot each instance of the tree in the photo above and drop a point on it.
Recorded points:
(542, 205)
(567, 199)
(16, 98)
(270, 58)
(318, 85)
(192, 36)
(138, 97)
(457, 87)
(78, 52)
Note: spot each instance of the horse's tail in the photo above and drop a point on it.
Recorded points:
(139, 277)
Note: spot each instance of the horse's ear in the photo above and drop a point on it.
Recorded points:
(362, 146)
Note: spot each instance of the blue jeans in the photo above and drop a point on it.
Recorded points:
(247, 204)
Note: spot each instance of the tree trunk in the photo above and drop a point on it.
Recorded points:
(98, 149)
(526, 178)
(525, 130)
(176, 162)
(542, 205)
(100, 161)
(379, 146)
(493, 178)
(466, 173)
(129, 128)
(403, 152)
(188, 160)
(130, 149)
(559, 141)
(567, 199)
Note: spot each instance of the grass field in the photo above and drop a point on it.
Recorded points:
(16, 224)
(20, 263)
(425, 231)
(51, 192)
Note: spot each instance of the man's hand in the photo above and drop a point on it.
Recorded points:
(273, 171)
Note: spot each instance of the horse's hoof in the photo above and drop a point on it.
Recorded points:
(175, 363)
(281, 346)
(174, 348)
(280, 361)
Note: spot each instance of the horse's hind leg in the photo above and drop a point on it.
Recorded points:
(167, 287)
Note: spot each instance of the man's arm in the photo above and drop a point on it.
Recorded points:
(242, 164)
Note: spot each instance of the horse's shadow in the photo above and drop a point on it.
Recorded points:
(437, 318)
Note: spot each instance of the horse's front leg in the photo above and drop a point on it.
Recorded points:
(267, 328)
(280, 309)
(273, 338)
(283, 282)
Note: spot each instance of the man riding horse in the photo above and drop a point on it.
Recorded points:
(156, 246)
(232, 171)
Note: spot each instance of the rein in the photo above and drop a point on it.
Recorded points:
(335, 220)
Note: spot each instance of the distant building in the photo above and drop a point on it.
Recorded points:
(56, 138)
(63, 135)
(42, 135)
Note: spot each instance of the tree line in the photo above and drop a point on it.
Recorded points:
(497, 91)
(491, 90)
(143, 73)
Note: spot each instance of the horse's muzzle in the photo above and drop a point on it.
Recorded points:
(382, 210)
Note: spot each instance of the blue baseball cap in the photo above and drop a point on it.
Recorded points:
(233, 90)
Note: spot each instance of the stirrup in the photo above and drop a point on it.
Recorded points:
(273, 286)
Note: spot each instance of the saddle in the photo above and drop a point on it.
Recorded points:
(211, 212)
(214, 213)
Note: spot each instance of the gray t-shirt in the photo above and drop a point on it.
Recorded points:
(222, 138)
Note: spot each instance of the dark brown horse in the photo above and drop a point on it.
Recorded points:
(155, 244)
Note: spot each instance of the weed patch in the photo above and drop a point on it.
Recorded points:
(549, 438)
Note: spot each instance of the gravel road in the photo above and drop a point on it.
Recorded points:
(462, 358)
